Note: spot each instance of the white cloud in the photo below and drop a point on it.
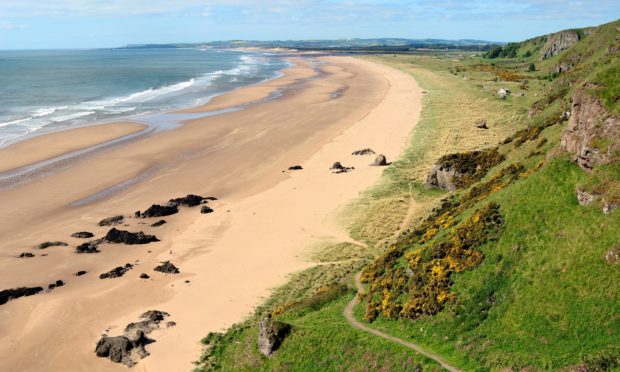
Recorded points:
(8, 25)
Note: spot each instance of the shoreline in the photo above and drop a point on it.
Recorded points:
(238, 157)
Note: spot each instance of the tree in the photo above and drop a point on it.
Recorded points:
(532, 67)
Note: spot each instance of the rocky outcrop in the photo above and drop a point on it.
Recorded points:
(45, 245)
(380, 161)
(366, 151)
(111, 221)
(188, 201)
(557, 43)
(126, 237)
(167, 267)
(456, 171)
(116, 272)
(124, 349)
(11, 294)
(82, 235)
(157, 210)
(271, 334)
(593, 133)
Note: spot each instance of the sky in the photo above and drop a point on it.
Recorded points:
(51, 24)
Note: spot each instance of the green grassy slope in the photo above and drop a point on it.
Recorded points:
(505, 274)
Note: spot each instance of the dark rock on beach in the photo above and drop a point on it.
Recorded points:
(157, 210)
(167, 267)
(80, 273)
(126, 237)
(211, 198)
(271, 334)
(363, 152)
(88, 247)
(158, 223)
(206, 209)
(116, 272)
(144, 276)
(58, 283)
(339, 168)
(380, 161)
(295, 167)
(45, 245)
(118, 349)
(111, 221)
(82, 235)
(188, 201)
(26, 255)
(11, 294)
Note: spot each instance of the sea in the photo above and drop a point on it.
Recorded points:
(51, 90)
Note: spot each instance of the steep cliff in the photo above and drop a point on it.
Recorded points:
(558, 42)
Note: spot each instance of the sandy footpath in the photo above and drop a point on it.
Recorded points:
(263, 224)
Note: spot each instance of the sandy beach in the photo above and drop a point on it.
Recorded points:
(265, 221)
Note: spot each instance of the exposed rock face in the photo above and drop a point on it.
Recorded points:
(593, 133)
(205, 209)
(51, 244)
(120, 349)
(82, 235)
(88, 247)
(380, 161)
(158, 223)
(167, 267)
(556, 43)
(271, 334)
(126, 237)
(188, 201)
(11, 294)
(363, 152)
(111, 221)
(454, 171)
(157, 210)
(116, 272)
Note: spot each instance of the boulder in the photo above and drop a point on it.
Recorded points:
(157, 210)
(80, 273)
(158, 223)
(82, 235)
(144, 276)
(116, 272)
(45, 245)
(111, 221)
(271, 334)
(593, 133)
(206, 209)
(188, 201)
(26, 255)
(366, 151)
(167, 267)
(88, 247)
(126, 237)
(380, 161)
(295, 167)
(482, 124)
(11, 294)
(118, 349)
(337, 167)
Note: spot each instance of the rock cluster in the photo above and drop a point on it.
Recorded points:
(157, 210)
(88, 247)
(126, 237)
(167, 267)
(10, 294)
(271, 334)
(121, 349)
(339, 168)
(188, 201)
(116, 272)
(58, 283)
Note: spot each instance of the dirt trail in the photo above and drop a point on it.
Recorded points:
(348, 314)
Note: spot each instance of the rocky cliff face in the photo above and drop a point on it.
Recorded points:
(593, 133)
(557, 43)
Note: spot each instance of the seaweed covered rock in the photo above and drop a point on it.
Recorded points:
(157, 210)
(126, 237)
(460, 170)
(111, 221)
(11, 294)
(45, 245)
(188, 201)
(593, 133)
(167, 267)
(82, 235)
(116, 272)
(271, 334)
